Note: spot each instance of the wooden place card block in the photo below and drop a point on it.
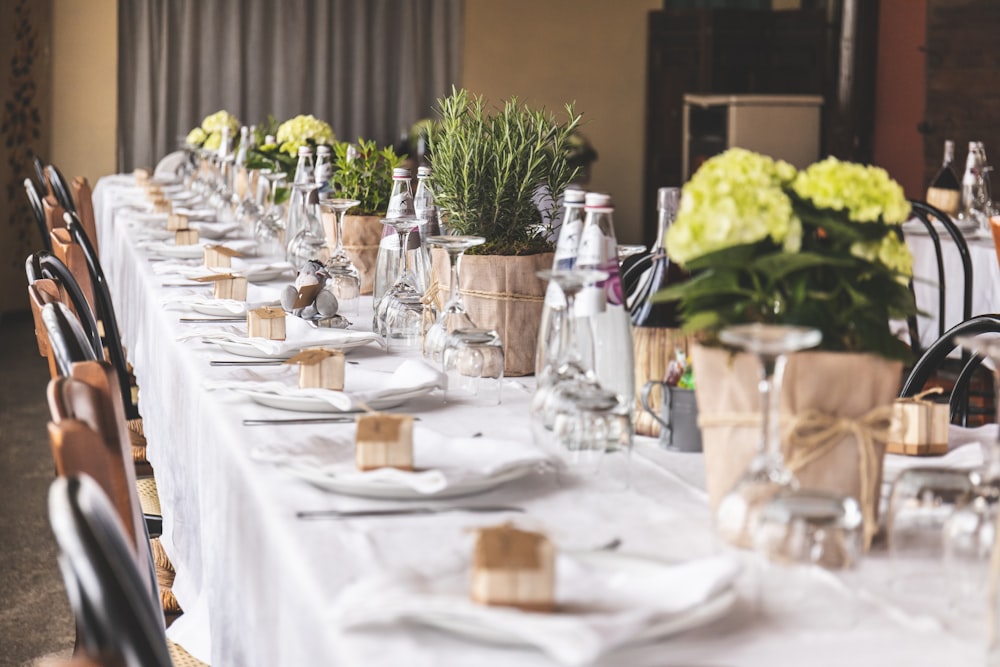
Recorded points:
(919, 426)
(384, 441)
(513, 568)
(220, 257)
(268, 322)
(186, 236)
(153, 191)
(141, 176)
(230, 287)
(320, 368)
(177, 222)
(162, 205)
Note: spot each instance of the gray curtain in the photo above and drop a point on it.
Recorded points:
(368, 67)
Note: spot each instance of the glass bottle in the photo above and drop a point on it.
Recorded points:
(303, 175)
(945, 192)
(425, 209)
(565, 259)
(986, 192)
(240, 165)
(400, 205)
(970, 183)
(324, 169)
(603, 302)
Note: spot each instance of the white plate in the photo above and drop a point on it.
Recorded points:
(312, 404)
(708, 611)
(216, 310)
(247, 350)
(263, 274)
(178, 251)
(386, 490)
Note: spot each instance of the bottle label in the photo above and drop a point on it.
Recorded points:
(569, 242)
(400, 204)
(591, 300)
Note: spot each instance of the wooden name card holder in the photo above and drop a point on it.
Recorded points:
(186, 236)
(919, 426)
(268, 322)
(384, 441)
(320, 368)
(513, 568)
(177, 222)
(220, 257)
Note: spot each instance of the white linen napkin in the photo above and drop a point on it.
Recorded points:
(600, 607)
(240, 267)
(257, 296)
(298, 334)
(360, 386)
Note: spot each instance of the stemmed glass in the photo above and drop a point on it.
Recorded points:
(270, 227)
(399, 313)
(309, 241)
(737, 514)
(454, 315)
(345, 277)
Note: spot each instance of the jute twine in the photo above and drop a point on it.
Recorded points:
(811, 435)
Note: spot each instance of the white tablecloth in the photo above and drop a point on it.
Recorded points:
(985, 280)
(258, 586)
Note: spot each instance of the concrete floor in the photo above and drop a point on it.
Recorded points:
(35, 620)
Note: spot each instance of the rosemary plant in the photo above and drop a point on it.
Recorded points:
(492, 171)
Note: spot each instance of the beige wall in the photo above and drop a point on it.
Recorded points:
(84, 87)
(549, 52)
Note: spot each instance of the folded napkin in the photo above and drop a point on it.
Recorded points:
(170, 249)
(249, 269)
(257, 296)
(360, 386)
(298, 334)
(601, 604)
(208, 229)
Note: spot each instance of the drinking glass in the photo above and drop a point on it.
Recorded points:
(344, 275)
(737, 514)
(453, 316)
(473, 360)
(401, 306)
(270, 227)
(308, 242)
(811, 528)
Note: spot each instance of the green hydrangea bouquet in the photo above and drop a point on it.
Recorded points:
(820, 248)
(303, 131)
(208, 135)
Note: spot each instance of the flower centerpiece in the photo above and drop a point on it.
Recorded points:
(208, 135)
(363, 172)
(819, 248)
(289, 137)
(500, 175)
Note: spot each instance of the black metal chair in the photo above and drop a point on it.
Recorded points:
(105, 312)
(45, 265)
(67, 339)
(40, 180)
(931, 361)
(38, 212)
(930, 217)
(109, 595)
(60, 189)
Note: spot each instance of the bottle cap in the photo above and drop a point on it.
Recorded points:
(667, 199)
(423, 171)
(323, 149)
(573, 196)
(400, 172)
(597, 200)
(269, 139)
(305, 150)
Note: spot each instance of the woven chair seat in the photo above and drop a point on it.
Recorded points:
(149, 500)
(182, 658)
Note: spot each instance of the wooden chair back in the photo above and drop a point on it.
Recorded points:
(84, 199)
(995, 228)
(53, 213)
(42, 265)
(41, 292)
(60, 188)
(72, 255)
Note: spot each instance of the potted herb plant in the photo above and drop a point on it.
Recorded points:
(363, 172)
(500, 174)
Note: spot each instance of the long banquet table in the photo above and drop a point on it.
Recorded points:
(260, 587)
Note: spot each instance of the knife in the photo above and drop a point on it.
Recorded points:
(273, 362)
(202, 320)
(313, 420)
(403, 511)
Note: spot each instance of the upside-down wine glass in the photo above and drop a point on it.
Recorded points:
(453, 316)
(270, 227)
(399, 315)
(344, 274)
(309, 241)
(737, 513)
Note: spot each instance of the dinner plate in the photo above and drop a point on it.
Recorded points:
(383, 489)
(216, 310)
(701, 614)
(263, 274)
(313, 404)
(248, 350)
(178, 251)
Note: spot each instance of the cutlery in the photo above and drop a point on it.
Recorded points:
(305, 420)
(184, 284)
(272, 362)
(202, 320)
(404, 511)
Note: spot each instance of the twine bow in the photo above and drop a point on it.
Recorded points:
(435, 288)
(814, 434)
(922, 396)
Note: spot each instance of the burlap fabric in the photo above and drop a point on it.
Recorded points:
(361, 237)
(854, 391)
(501, 292)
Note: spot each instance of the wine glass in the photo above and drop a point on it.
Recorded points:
(454, 315)
(308, 242)
(473, 360)
(344, 275)
(737, 513)
(404, 297)
(270, 227)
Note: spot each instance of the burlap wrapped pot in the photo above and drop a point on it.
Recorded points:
(835, 410)
(501, 292)
(362, 234)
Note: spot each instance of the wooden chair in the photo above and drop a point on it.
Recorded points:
(73, 257)
(37, 211)
(117, 620)
(53, 213)
(42, 181)
(60, 189)
(995, 228)
(84, 200)
(930, 362)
